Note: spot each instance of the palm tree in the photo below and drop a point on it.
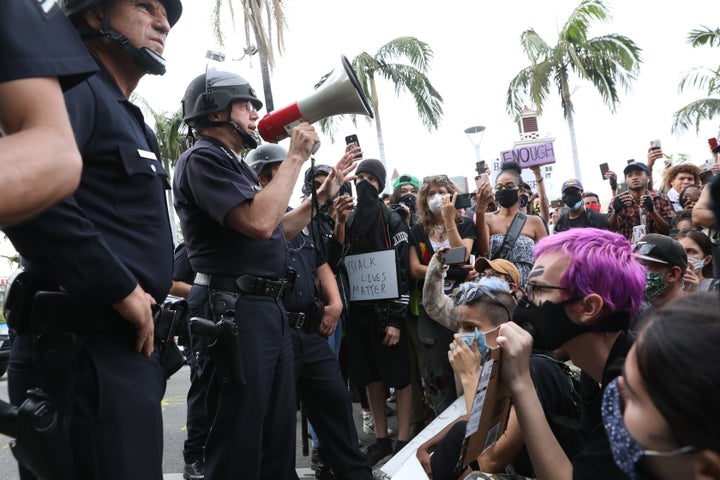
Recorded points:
(260, 18)
(410, 77)
(170, 130)
(609, 62)
(707, 79)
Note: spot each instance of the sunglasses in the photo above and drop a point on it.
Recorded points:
(436, 178)
(474, 293)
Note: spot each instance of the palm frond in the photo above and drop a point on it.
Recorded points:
(694, 113)
(704, 36)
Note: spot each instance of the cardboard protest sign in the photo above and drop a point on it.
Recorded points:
(490, 410)
(372, 276)
(530, 155)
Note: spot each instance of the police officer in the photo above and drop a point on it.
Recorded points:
(97, 261)
(235, 232)
(41, 56)
(314, 307)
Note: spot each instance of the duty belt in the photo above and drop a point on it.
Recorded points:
(245, 284)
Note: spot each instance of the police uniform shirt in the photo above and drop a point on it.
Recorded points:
(39, 41)
(306, 253)
(114, 231)
(209, 182)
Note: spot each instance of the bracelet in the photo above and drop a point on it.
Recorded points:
(450, 229)
(539, 181)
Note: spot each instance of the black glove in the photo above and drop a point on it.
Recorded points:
(618, 204)
(613, 182)
(648, 203)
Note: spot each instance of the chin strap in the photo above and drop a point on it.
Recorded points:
(248, 140)
(147, 60)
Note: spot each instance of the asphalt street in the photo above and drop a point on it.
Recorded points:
(174, 410)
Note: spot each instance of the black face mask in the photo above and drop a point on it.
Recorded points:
(551, 327)
(506, 198)
(572, 200)
(409, 201)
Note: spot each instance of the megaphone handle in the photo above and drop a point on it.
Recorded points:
(315, 148)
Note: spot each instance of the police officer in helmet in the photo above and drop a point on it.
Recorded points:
(98, 261)
(235, 232)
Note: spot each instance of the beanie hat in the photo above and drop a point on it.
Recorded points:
(375, 168)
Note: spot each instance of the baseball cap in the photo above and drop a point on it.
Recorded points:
(636, 166)
(572, 183)
(661, 249)
(500, 265)
(406, 179)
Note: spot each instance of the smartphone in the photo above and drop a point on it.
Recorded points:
(480, 167)
(462, 200)
(480, 179)
(655, 144)
(352, 139)
(556, 204)
(453, 256)
(713, 145)
(706, 177)
(630, 161)
(604, 168)
(622, 187)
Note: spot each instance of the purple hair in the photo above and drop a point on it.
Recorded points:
(601, 262)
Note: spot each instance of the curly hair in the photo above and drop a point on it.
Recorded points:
(425, 216)
(672, 172)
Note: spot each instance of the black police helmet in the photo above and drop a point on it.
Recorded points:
(310, 175)
(212, 92)
(265, 154)
(71, 7)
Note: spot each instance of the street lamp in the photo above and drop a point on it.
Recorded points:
(475, 135)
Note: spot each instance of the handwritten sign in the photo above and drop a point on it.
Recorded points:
(373, 276)
(530, 155)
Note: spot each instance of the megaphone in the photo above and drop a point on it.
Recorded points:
(340, 94)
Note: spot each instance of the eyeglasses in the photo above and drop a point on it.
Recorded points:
(436, 178)
(474, 293)
(247, 106)
(507, 186)
(533, 288)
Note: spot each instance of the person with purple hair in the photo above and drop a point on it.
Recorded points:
(584, 287)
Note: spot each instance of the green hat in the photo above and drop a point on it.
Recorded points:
(406, 179)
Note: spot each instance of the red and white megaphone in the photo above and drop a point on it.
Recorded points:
(340, 94)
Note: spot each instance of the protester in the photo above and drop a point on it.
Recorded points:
(699, 251)
(507, 233)
(440, 224)
(583, 289)
(639, 211)
(481, 307)
(578, 216)
(666, 263)
(377, 329)
(404, 197)
(661, 414)
(676, 179)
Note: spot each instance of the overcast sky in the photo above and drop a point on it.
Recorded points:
(477, 52)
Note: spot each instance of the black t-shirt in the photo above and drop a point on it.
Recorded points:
(590, 218)
(595, 461)
(182, 271)
(424, 249)
(554, 390)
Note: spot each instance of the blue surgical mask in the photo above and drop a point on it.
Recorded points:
(625, 450)
(478, 337)
(697, 264)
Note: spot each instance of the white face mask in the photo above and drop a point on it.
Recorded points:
(435, 203)
(697, 264)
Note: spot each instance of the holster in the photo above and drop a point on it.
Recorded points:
(170, 322)
(224, 349)
(41, 445)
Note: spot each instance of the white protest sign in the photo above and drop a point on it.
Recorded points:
(373, 276)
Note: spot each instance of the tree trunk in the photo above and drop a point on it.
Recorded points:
(265, 72)
(573, 144)
(378, 129)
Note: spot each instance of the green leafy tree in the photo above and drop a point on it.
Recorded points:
(608, 62)
(405, 62)
(702, 78)
(264, 25)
